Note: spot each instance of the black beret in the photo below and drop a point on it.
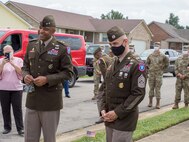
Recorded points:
(48, 21)
(97, 50)
(114, 33)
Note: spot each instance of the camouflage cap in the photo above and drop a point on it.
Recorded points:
(48, 21)
(114, 33)
(97, 50)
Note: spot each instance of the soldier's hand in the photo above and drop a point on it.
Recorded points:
(110, 116)
(179, 75)
(40, 81)
(28, 79)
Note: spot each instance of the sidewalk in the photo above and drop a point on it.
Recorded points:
(176, 133)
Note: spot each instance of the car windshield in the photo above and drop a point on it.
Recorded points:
(91, 49)
(1, 33)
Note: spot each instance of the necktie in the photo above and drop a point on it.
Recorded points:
(42, 48)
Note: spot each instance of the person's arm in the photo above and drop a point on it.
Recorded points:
(2, 63)
(138, 85)
(18, 68)
(102, 67)
(65, 71)
(166, 62)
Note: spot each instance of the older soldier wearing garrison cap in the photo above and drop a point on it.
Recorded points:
(124, 89)
(47, 63)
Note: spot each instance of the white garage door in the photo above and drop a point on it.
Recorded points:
(139, 45)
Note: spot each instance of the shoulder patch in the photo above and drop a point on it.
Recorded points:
(141, 67)
(68, 49)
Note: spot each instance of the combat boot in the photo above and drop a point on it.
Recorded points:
(186, 104)
(176, 106)
(158, 103)
(150, 101)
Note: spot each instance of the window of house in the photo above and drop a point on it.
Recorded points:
(103, 37)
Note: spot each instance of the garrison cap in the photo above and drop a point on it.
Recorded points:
(114, 33)
(48, 21)
(97, 50)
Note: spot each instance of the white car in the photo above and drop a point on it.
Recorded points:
(170, 53)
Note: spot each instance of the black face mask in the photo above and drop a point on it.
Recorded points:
(118, 50)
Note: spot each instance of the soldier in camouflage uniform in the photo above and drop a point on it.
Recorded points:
(156, 63)
(96, 73)
(182, 74)
(103, 63)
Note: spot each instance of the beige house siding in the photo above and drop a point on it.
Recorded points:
(23, 16)
(10, 20)
(140, 33)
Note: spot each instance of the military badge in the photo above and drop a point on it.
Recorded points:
(125, 75)
(141, 81)
(120, 74)
(121, 85)
(53, 52)
(50, 66)
(141, 67)
(32, 50)
(113, 36)
(56, 46)
(126, 68)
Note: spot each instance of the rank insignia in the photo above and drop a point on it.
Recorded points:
(141, 81)
(121, 85)
(50, 66)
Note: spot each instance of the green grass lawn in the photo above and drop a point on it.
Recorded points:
(149, 126)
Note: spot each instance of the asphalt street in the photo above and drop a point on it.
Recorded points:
(80, 111)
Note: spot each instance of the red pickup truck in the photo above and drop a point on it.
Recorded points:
(19, 39)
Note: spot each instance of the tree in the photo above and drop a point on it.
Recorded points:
(113, 15)
(187, 27)
(174, 21)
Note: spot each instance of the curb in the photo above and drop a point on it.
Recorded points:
(76, 134)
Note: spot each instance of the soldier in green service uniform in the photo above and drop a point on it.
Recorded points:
(124, 89)
(47, 63)
(182, 82)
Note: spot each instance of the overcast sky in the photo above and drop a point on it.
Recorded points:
(149, 10)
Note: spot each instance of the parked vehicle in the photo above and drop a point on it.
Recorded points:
(90, 57)
(170, 53)
(19, 40)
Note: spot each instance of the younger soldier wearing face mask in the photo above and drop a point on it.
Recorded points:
(156, 63)
(182, 74)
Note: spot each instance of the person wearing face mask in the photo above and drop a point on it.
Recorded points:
(123, 89)
(182, 82)
(156, 63)
(11, 89)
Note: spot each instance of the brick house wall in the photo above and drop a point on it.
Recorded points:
(158, 33)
